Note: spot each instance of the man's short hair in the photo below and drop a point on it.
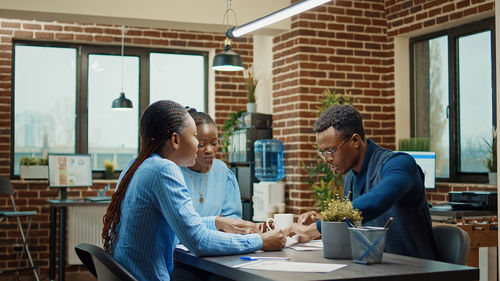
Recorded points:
(343, 118)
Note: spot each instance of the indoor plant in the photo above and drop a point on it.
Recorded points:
(336, 239)
(33, 168)
(109, 168)
(324, 183)
(251, 86)
(490, 158)
(232, 122)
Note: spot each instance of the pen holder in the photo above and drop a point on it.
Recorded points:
(367, 244)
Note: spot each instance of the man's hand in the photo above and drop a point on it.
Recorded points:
(308, 218)
(231, 225)
(306, 233)
(273, 240)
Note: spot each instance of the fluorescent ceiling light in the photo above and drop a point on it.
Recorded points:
(282, 14)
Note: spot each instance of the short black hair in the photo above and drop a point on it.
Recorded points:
(343, 118)
(199, 117)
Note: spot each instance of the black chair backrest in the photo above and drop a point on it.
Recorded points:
(101, 264)
(453, 243)
(6, 186)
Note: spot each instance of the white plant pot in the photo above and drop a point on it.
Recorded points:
(251, 107)
(492, 178)
(34, 172)
(336, 240)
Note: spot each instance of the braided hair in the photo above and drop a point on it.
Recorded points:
(200, 117)
(158, 123)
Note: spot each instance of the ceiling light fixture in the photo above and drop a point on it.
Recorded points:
(279, 15)
(228, 60)
(122, 103)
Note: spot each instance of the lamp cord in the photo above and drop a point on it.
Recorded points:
(226, 15)
(123, 36)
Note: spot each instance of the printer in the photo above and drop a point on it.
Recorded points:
(473, 200)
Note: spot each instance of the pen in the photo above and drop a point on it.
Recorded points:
(263, 258)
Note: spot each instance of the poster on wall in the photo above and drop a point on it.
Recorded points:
(69, 170)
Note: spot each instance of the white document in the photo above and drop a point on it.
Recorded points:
(314, 245)
(291, 266)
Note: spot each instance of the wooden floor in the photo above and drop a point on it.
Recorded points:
(70, 276)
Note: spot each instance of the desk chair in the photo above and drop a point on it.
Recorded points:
(6, 188)
(101, 264)
(453, 243)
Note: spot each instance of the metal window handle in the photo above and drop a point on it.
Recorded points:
(448, 112)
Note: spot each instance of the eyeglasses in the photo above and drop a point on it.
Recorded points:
(329, 154)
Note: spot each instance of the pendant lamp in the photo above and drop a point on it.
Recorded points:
(228, 60)
(122, 103)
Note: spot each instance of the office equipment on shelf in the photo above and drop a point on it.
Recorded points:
(473, 200)
(6, 188)
(253, 126)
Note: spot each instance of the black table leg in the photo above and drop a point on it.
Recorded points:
(52, 248)
(62, 243)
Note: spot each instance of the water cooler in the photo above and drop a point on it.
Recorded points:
(269, 194)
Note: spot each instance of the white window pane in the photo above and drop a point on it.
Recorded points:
(112, 134)
(475, 98)
(44, 101)
(178, 77)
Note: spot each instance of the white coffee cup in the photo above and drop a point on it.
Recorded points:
(280, 221)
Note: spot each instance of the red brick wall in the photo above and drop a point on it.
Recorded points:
(230, 96)
(347, 46)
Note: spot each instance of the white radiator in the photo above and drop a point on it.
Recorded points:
(84, 225)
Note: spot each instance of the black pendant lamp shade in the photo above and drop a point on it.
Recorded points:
(121, 102)
(227, 60)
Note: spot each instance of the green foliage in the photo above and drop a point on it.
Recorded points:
(490, 155)
(329, 183)
(33, 161)
(232, 122)
(414, 144)
(109, 166)
(250, 84)
(339, 208)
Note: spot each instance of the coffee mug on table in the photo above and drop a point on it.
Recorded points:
(280, 221)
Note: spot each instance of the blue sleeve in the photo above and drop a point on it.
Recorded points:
(175, 204)
(232, 201)
(398, 177)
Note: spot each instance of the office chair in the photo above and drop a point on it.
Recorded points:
(6, 188)
(101, 264)
(453, 243)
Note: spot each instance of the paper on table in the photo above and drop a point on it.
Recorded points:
(291, 266)
(313, 245)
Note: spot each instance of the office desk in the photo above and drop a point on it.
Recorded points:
(62, 206)
(393, 267)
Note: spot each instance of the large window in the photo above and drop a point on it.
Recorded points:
(62, 95)
(453, 97)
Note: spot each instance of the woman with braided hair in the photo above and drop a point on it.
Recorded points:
(151, 209)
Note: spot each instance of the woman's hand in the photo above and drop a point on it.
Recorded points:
(308, 218)
(273, 240)
(306, 233)
(231, 225)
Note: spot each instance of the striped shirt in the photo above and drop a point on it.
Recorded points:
(221, 194)
(156, 213)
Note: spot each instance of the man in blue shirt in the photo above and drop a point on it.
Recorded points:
(380, 183)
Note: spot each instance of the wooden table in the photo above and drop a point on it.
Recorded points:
(393, 267)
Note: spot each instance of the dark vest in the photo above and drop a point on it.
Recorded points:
(410, 233)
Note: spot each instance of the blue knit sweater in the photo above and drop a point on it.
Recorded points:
(391, 184)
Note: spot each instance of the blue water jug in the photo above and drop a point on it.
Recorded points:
(268, 160)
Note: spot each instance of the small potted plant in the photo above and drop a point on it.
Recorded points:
(490, 158)
(336, 239)
(109, 169)
(251, 86)
(33, 168)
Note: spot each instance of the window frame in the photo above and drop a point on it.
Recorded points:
(82, 55)
(453, 92)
